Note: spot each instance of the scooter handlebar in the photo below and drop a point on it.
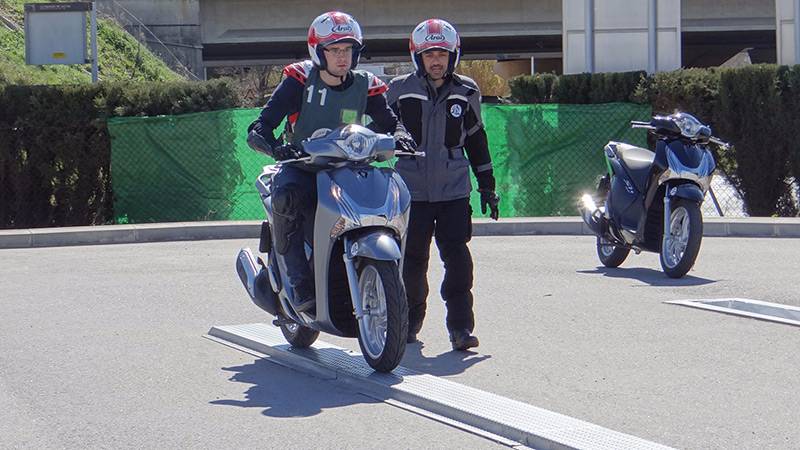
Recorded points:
(308, 158)
(645, 125)
(719, 142)
(286, 161)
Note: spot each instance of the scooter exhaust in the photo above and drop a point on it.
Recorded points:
(255, 281)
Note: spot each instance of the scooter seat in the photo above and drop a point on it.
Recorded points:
(637, 161)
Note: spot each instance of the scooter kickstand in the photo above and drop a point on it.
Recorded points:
(280, 321)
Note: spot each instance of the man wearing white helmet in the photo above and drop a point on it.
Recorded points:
(442, 112)
(323, 92)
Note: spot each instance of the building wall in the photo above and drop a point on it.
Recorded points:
(231, 21)
(727, 15)
(785, 15)
(171, 29)
(185, 26)
(621, 41)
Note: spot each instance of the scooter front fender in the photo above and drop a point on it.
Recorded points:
(688, 191)
(379, 245)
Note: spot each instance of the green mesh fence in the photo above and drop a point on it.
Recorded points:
(199, 167)
(545, 155)
(184, 168)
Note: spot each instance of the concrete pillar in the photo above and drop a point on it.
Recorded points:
(652, 36)
(787, 16)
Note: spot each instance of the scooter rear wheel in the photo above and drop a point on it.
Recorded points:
(298, 335)
(611, 255)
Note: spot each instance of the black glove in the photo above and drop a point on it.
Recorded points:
(286, 151)
(404, 142)
(486, 185)
(255, 138)
(257, 142)
(490, 199)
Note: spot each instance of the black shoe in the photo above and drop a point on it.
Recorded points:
(463, 340)
(303, 298)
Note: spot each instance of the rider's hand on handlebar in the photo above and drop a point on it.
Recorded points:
(404, 142)
(286, 151)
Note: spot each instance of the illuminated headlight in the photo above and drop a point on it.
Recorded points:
(689, 126)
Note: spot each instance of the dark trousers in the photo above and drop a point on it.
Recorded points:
(294, 199)
(451, 223)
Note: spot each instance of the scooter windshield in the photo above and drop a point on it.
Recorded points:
(349, 142)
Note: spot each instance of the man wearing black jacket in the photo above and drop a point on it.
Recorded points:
(441, 111)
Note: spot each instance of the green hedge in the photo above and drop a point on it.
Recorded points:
(55, 148)
(756, 112)
(756, 108)
(581, 88)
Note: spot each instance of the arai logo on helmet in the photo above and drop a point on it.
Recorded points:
(435, 38)
(342, 29)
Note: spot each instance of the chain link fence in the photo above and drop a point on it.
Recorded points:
(199, 167)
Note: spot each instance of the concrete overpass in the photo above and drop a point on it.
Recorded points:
(254, 32)
(269, 30)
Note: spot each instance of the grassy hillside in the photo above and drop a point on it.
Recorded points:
(121, 55)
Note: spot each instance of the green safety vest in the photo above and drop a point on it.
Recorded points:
(324, 107)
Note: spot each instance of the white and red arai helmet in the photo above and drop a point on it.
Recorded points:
(434, 34)
(331, 28)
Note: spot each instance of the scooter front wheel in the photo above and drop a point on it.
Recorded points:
(383, 327)
(681, 242)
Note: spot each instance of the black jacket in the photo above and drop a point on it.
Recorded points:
(444, 122)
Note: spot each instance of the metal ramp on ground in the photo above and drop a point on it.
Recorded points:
(504, 420)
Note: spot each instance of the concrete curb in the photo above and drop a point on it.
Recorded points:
(784, 227)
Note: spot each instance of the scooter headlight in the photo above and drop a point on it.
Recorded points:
(357, 146)
(690, 127)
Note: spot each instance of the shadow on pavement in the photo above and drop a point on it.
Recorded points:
(284, 392)
(649, 276)
(447, 363)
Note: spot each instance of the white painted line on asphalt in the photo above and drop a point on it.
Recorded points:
(510, 419)
(744, 307)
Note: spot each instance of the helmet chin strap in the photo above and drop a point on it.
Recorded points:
(341, 78)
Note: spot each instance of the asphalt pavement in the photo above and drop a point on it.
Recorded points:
(101, 346)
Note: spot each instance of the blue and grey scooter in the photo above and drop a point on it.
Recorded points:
(651, 200)
(355, 249)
